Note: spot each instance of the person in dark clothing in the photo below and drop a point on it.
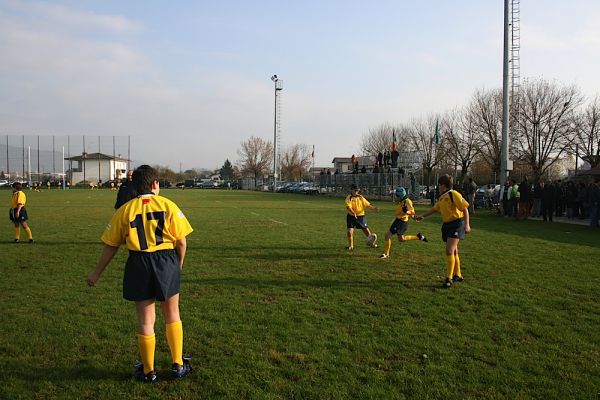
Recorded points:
(394, 156)
(380, 159)
(581, 200)
(594, 200)
(536, 211)
(524, 199)
(571, 199)
(126, 191)
(548, 201)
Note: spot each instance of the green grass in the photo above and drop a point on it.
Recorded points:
(273, 307)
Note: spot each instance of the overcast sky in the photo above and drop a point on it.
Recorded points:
(190, 80)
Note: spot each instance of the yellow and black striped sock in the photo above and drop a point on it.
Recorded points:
(147, 344)
(450, 262)
(175, 340)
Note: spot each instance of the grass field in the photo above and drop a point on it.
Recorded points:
(274, 308)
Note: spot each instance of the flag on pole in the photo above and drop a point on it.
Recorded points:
(313, 152)
(394, 146)
(437, 133)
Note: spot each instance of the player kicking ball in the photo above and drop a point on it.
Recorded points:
(404, 211)
(356, 205)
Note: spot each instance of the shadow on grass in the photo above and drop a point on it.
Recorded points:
(580, 235)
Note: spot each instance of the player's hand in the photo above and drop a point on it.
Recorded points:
(376, 209)
(468, 229)
(92, 278)
(418, 218)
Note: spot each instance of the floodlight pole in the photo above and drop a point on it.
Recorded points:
(278, 87)
(504, 162)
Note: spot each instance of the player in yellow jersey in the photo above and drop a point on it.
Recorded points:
(18, 213)
(154, 230)
(355, 206)
(404, 211)
(455, 217)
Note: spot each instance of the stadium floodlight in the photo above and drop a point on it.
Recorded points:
(274, 78)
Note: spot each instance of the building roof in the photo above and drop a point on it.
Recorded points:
(94, 156)
(342, 160)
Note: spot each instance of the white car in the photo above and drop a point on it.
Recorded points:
(4, 182)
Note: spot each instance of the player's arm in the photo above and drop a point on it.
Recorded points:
(350, 210)
(467, 221)
(372, 207)
(426, 214)
(107, 254)
(180, 248)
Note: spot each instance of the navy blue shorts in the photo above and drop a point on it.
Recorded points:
(151, 276)
(399, 227)
(453, 229)
(356, 222)
(22, 215)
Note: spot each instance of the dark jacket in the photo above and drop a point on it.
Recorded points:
(126, 192)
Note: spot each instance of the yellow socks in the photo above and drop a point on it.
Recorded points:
(457, 266)
(147, 345)
(29, 234)
(410, 237)
(17, 232)
(388, 246)
(175, 339)
(351, 241)
(450, 262)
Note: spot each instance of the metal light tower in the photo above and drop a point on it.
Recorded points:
(276, 128)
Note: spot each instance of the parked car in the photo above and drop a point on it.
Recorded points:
(4, 182)
(208, 184)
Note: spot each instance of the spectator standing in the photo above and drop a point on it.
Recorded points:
(581, 200)
(524, 199)
(537, 199)
(470, 189)
(548, 199)
(504, 197)
(515, 200)
(126, 190)
(594, 200)
(571, 199)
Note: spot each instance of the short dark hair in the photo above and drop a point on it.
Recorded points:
(143, 178)
(445, 180)
(17, 185)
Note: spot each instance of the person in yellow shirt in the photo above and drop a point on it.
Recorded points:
(356, 205)
(455, 217)
(18, 213)
(404, 211)
(154, 230)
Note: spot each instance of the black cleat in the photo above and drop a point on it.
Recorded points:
(457, 278)
(31, 241)
(447, 284)
(422, 237)
(16, 241)
(179, 371)
(138, 374)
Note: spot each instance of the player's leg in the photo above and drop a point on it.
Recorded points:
(451, 248)
(174, 328)
(27, 230)
(146, 316)
(388, 244)
(367, 232)
(17, 232)
(350, 234)
(457, 277)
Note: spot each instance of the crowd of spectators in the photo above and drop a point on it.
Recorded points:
(551, 199)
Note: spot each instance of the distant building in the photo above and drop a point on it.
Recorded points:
(344, 164)
(93, 167)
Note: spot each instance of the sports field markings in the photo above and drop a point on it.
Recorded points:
(268, 219)
(256, 214)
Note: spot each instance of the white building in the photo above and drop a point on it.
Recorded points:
(95, 167)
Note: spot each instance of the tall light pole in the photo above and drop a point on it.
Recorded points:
(504, 161)
(276, 128)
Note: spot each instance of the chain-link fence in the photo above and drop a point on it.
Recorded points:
(40, 158)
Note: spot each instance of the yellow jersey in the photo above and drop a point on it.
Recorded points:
(451, 205)
(147, 223)
(407, 205)
(18, 198)
(358, 204)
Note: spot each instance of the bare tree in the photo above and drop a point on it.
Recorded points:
(587, 133)
(461, 138)
(295, 161)
(545, 120)
(485, 112)
(256, 157)
(422, 136)
(381, 138)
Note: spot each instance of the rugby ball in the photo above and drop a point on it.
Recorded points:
(371, 239)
